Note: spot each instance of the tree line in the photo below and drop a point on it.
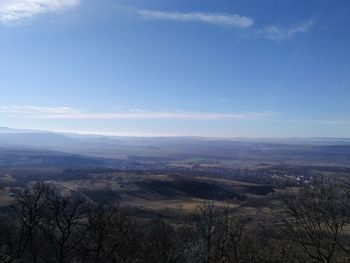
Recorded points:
(311, 224)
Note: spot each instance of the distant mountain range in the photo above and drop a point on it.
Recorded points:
(287, 140)
(328, 150)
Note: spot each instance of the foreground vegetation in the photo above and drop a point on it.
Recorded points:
(310, 224)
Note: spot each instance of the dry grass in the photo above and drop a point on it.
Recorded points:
(5, 198)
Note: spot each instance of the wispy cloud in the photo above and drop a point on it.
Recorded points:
(35, 110)
(15, 11)
(222, 19)
(70, 113)
(320, 121)
(152, 115)
(277, 33)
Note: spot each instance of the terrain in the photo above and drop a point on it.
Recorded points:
(88, 198)
(166, 173)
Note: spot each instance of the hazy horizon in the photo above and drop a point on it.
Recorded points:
(63, 132)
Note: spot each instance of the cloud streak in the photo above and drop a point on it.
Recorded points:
(70, 113)
(272, 32)
(278, 34)
(15, 11)
(222, 19)
(32, 110)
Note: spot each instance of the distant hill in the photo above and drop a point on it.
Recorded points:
(315, 150)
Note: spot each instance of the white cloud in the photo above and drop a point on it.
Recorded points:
(277, 33)
(231, 20)
(34, 110)
(151, 115)
(15, 11)
(69, 113)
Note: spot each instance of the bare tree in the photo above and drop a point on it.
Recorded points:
(28, 214)
(165, 243)
(5, 240)
(206, 224)
(65, 226)
(113, 235)
(231, 228)
(316, 220)
(97, 243)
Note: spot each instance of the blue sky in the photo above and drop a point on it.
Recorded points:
(271, 68)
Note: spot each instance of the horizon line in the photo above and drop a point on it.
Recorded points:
(155, 135)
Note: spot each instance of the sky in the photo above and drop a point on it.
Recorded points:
(223, 68)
